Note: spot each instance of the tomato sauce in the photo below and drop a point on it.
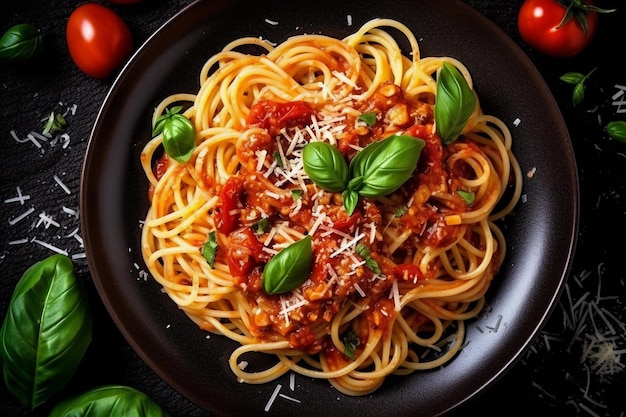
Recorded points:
(250, 196)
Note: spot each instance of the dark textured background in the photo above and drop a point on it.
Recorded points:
(550, 378)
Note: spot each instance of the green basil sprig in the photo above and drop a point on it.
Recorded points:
(578, 81)
(288, 268)
(179, 135)
(109, 401)
(46, 331)
(20, 42)
(455, 103)
(377, 170)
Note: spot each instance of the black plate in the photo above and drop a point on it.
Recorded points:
(541, 233)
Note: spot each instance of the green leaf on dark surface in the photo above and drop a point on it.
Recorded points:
(46, 331)
(109, 401)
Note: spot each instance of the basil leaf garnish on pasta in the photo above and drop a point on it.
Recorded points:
(325, 166)
(179, 135)
(385, 165)
(350, 200)
(377, 170)
(455, 103)
(288, 268)
(210, 248)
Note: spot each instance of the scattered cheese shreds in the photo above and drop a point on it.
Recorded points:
(21, 216)
(62, 185)
(20, 197)
(272, 398)
(51, 247)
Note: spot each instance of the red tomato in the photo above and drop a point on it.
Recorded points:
(231, 197)
(408, 272)
(273, 116)
(98, 40)
(540, 25)
(245, 251)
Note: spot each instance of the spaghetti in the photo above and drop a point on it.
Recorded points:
(390, 282)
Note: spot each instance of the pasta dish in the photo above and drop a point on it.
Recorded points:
(334, 205)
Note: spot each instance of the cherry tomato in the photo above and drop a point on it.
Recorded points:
(244, 252)
(231, 197)
(99, 41)
(273, 116)
(541, 25)
(408, 272)
(124, 1)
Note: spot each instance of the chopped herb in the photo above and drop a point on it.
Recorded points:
(368, 118)
(401, 211)
(370, 262)
(468, 196)
(209, 249)
(279, 159)
(296, 194)
(55, 123)
(262, 226)
(350, 342)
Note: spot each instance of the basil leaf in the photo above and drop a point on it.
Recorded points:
(179, 134)
(578, 80)
(20, 42)
(288, 268)
(385, 165)
(210, 248)
(325, 166)
(617, 130)
(578, 94)
(46, 331)
(109, 400)
(455, 103)
(572, 78)
(350, 200)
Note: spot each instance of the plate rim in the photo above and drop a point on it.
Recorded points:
(90, 162)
